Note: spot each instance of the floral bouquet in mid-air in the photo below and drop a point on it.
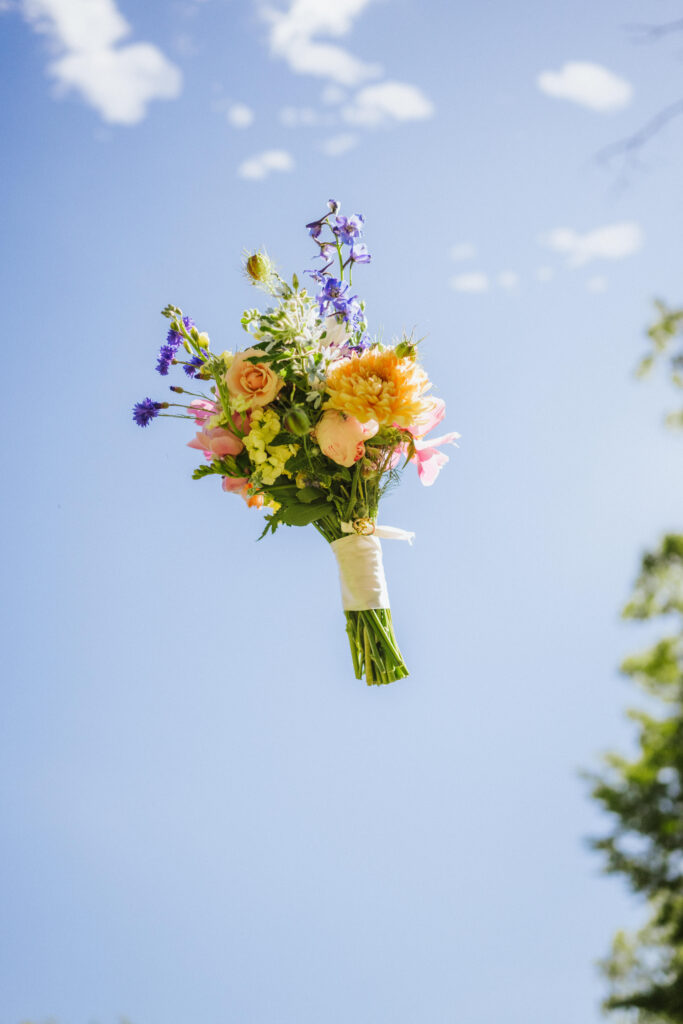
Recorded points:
(313, 421)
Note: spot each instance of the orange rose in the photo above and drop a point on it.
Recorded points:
(255, 383)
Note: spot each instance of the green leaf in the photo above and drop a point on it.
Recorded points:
(302, 515)
(308, 494)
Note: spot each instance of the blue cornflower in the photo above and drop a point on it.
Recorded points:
(174, 339)
(189, 323)
(144, 412)
(166, 356)
(191, 367)
(348, 228)
(360, 254)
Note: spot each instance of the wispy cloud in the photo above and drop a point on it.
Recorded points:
(596, 284)
(117, 81)
(474, 282)
(612, 242)
(508, 279)
(294, 35)
(387, 101)
(590, 85)
(337, 145)
(258, 167)
(239, 115)
(462, 251)
(545, 274)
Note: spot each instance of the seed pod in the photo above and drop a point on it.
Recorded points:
(296, 421)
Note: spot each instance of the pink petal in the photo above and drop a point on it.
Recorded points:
(429, 463)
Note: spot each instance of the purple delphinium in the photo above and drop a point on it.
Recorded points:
(349, 228)
(147, 410)
(335, 298)
(360, 254)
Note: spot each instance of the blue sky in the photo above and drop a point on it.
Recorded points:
(203, 813)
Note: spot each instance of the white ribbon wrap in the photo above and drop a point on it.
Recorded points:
(361, 572)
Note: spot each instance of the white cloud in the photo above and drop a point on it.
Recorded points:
(597, 284)
(260, 166)
(508, 279)
(118, 81)
(544, 274)
(337, 145)
(590, 85)
(474, 282)
(239, 115)
(399, 101)
(293, 36)
(612, 242)
(462, 251)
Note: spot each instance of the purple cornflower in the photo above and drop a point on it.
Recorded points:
(192, 366)
(174, 339)
(333, 205)
(166, 356)
(144, 412)
(314, 228)
(360, 254)
(349, 228)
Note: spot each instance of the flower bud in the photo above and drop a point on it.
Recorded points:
(405, 349)
(178, 391)
(257, 267)
(296, 421)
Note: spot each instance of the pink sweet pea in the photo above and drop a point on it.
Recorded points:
(429, 460)
(202, 410)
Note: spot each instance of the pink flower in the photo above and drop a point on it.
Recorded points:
(256, 383)
(202, 410)
(429, 460)
(341, 438)
(427, 456)
(216, 443)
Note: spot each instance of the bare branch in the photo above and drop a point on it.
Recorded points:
(643, 33)
(631, 146)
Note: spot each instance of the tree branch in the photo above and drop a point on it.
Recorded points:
(631, 146)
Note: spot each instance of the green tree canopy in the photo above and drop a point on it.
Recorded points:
(643, 796)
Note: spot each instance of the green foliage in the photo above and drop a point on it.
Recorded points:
(643, 795)
(666, 337)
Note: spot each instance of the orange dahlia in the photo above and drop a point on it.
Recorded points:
(378, 385)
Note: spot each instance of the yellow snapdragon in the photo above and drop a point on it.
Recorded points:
(269, 459)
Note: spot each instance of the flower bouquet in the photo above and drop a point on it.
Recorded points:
(313, 421)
